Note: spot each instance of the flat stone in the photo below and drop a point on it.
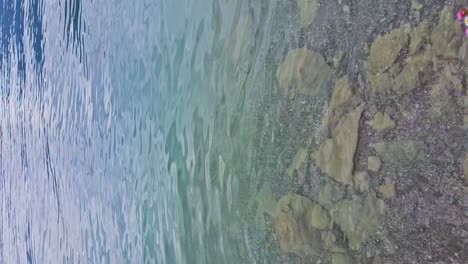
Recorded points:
(307, 11)
(373, 163)
(361, 181)
(265, 200)
(335, 156)
(385, 50)
(358, 219)
(397, 151)
(446, 37)
(419, 36)
(304, 71)
(340, 258)
(382, 121)
(341, 95)
(298, 164)
(387, 190)
(298, 221)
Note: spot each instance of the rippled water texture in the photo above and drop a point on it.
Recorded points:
(233, 131)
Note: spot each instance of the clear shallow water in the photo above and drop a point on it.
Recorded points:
(126, 131)
(166, 132)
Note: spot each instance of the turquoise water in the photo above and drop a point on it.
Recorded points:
(133, 140)
(232, 131)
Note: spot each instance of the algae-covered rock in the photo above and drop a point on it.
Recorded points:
(335, 156)
(446, 38)
(265, 200)
(341, 95)
(304, 71)
(385, 50)
(361, 181)
(358, 219)
(397, 151)
(340, 258)
(299, 163)
(373, 163)
(318, 217)
(382, 121)
(416, 71)
(387, 190)
(307, 11)
(297, 224)
(419, 36)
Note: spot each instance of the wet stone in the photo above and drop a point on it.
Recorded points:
(307, 11)
(358, 218)
(298, 224)
(361, 181)
(396, 152)
(465, 168)
(298, 164)
(305, 72)
(335, 156)
(387, 190)
(373, 163)
(382, 121)
(340, 258)
(342, 94)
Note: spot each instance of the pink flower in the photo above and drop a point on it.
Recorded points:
(460, 16)
(466, 32)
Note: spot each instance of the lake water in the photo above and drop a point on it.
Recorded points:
(164, 131)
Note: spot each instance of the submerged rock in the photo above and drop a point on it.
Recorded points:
(265, 201)
(307, 11)
(373, 163)
(335, 156)
(397, 151)
(342, 94)
(404, 58)
(304, 71)
(358, 219)
(387, 190)
(385, 49)
(382, 121)
(298, 224)
(361, 181)
(340, 258)
(446, 37)
(298, 164)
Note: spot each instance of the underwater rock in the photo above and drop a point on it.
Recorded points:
(298, 223)
(373, 163)
(340, 258)
(335, 156)
(385, 50)
(265, 201)
(446, 37)
(388, 73)
(397, 151)
(419, 36)
(307, 11)
(304, 71)
(298, 164)
(361, 181)
(358, 219)
(387, 190)
(382, 121)
(342, 94)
